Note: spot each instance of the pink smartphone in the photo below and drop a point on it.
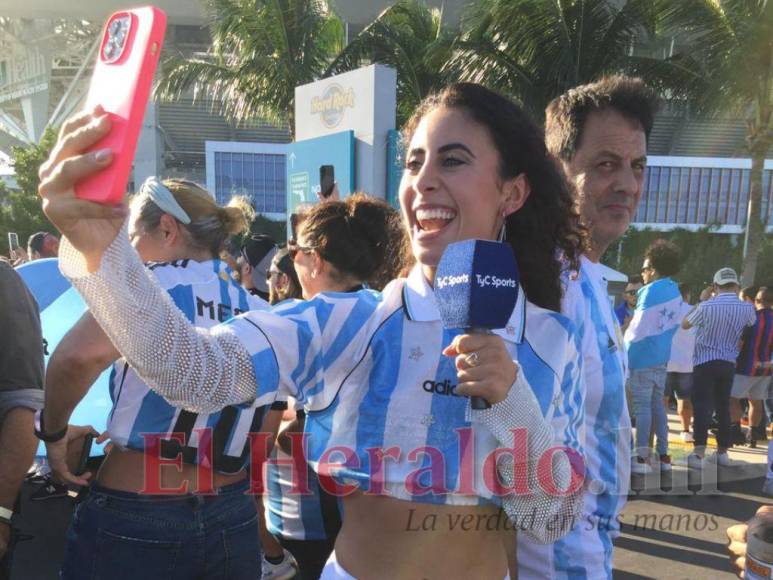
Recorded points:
(123, 75)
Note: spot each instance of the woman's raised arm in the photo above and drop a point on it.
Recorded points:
(198, 370)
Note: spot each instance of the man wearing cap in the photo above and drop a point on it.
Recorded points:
(720, 321)
(257, 252)
(42, 245)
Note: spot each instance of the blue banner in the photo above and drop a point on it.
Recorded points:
(304, 159)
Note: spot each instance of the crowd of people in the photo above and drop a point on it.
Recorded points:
(333, 345)
(716, 362)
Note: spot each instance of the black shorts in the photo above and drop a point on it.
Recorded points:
(679, 384)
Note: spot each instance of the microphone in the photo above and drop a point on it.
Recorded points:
(476, 288)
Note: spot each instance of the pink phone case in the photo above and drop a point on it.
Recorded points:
(123, 75)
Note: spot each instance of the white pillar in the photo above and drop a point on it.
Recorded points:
(147, 158)
(35, 109)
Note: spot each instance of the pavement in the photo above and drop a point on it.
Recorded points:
(672, 527)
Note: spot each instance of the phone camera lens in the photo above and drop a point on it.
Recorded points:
(116, 38)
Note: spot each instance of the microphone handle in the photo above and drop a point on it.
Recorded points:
(479, 403)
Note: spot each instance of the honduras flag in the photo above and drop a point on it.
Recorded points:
(654, 323)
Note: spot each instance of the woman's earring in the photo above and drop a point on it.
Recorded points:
(503, 231)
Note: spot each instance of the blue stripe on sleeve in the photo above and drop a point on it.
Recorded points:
(182, 296)
(266, 371)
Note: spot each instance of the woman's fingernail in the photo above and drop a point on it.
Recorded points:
(102, 155)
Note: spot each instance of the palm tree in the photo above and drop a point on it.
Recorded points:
(261, 50)
(534, 50)
(725, 66)
(411, 38)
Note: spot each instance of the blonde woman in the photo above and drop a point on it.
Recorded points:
(141, 519)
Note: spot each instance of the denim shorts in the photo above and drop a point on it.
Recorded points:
(116, 535)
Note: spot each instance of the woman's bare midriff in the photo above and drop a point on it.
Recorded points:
(389, 539)
(381, 538)
(125, 470)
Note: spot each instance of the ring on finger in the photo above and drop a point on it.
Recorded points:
(472, 359)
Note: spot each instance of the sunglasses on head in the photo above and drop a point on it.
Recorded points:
(293, 248)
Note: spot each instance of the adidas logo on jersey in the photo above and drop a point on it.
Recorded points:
(441, 388)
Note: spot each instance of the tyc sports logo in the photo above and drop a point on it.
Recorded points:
(443, 281)
(494, 282)
(482, 281)
(440, 387)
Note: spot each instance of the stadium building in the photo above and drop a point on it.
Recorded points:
(698, 171)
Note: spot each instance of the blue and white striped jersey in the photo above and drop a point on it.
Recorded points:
(369, 371)
(586, 552)
(291, 515)
(207, 294)
(295, 516)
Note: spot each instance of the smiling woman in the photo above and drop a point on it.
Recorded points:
(477, 167)
(416, 464)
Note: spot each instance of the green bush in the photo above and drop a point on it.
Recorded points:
(703, 253)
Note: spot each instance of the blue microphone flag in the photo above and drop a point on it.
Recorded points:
(476, 284)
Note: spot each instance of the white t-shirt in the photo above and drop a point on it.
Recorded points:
(683, 346)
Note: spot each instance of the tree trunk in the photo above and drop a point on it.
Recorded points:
(754, 225)
(758, 141)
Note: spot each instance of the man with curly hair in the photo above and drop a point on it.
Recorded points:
(648, 340)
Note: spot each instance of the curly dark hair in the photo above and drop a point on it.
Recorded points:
(664, 257)
(566, 115)
(547, 229)
(362, 237)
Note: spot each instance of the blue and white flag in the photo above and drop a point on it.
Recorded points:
(654, 323)
(60, 308)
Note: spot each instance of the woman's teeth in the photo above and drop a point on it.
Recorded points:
(434, 219)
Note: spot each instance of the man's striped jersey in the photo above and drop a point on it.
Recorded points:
(207, 294)
(757, 345)
(721, 321)
(586, 552)
(369, 370)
